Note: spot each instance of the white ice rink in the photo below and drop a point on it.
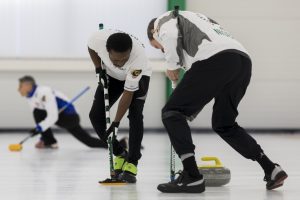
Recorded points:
(73, 171)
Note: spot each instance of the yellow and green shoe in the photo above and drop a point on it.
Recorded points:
(119, 162)
(129, 173)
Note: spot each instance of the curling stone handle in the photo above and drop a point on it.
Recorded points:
(211, 158)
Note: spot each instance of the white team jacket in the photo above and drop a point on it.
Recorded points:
(45, 98)
(195, 38)
(134, 68)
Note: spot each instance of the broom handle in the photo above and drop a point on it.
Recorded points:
(74, 99)
(172, 157)
(108, 122)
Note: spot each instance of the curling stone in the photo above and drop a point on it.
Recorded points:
(214, 175)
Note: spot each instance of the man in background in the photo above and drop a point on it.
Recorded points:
(45, 104)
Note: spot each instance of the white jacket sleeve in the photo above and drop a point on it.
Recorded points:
(167, 37)
(50, 105)
(132, 80)
(170, 43)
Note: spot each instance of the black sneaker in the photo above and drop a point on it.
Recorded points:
(183, 184)
(276, 178)
(129, 173)
(127, 177)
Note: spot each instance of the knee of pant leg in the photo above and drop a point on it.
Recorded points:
(171, 114)
(217, 129)
(226, 131)
(221, 128)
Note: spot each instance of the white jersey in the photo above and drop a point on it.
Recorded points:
(45, 98)
(190, 37)
(133, 69)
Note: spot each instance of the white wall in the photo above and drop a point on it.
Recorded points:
(14, 110)
(268, 29)
(60, 28)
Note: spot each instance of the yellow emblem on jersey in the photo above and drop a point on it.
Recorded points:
(136, 73)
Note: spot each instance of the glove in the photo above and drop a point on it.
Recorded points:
(35, 131)
(111, 130)
(101, 75)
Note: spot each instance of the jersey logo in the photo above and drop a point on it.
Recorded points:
(136, 73)
(44, 98)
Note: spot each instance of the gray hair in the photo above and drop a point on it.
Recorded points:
(28, 79)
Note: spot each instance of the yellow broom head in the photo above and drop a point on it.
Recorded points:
(15, 147)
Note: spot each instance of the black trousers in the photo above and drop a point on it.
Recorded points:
(135, 115)
(224, 78)
(71, 124)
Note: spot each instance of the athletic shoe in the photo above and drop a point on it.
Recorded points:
(183, 184)
(119, 162)
(276, 178)
(42, 145)
(129, 173)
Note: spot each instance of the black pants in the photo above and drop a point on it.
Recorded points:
(224, 78)
(136, 124)
(71, 124)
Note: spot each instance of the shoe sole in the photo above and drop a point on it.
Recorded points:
(199, 189)
(279, 182)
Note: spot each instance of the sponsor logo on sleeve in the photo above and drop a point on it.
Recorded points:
(136, 73)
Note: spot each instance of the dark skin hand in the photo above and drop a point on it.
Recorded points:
(119, 60)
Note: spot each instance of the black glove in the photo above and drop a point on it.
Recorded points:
(111, 130)
(101, 76)
(34, 132)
